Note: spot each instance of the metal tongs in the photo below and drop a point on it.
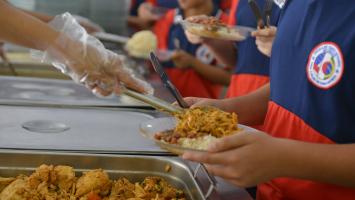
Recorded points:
(166, 81)
(174, 91)
(7, 63)
(152, 101)
(259, 16)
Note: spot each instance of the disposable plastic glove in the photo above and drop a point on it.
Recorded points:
(85, 59)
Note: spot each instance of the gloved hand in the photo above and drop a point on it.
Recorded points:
(90, 27)
(87, 61)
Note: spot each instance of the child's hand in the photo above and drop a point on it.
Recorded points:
(245, 159)
(182, 59)
(264, 39)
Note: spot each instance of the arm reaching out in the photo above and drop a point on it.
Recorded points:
(68, 47)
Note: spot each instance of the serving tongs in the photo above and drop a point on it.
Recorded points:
(153, 101)
(175, 92)
(257, 13)
(166, 81)
(268, 11)
(259, 16)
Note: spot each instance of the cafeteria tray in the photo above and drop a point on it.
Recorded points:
(85, 130)
(135, 168)
(22, 90)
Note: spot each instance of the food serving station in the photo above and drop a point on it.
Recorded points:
(51, 121)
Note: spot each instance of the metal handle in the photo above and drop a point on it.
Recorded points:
(166, 81)
(173, 90)
(153, 101)
(211, 179)
(268, 11)
(256, 10)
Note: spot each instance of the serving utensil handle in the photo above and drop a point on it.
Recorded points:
(152, 101)
(212, 180)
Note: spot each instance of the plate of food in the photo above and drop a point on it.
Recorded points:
(211, 27)
(192, 129)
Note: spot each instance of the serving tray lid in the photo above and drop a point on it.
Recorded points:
(87, 130)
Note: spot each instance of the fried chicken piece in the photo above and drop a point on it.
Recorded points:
(43, 173)
(18, 190)
(65, 177)
(95, 180)
(60, 176)
(4, 182)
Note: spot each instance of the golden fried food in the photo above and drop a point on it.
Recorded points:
(4, 182)
(59, 183)
(17, 190)
(49, 182)
(65, 177)
(96, 180)
(197, 127)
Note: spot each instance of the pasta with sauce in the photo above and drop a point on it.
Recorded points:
(197, 127)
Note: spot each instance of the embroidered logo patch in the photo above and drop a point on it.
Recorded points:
(204, 54)
(325, 65)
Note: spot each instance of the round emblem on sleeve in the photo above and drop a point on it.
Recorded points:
(325, 65)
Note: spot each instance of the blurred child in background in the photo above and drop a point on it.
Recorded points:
(251, 67)
(192, 68)
(144, 13)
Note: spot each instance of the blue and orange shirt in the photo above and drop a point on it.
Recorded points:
(188, 81)
(312, 88)
(252, 67)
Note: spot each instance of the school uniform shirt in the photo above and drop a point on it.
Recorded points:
(188, 81)
(312, 88)
(252, 68)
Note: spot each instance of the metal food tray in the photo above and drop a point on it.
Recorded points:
(135, 168)
(90, 130)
